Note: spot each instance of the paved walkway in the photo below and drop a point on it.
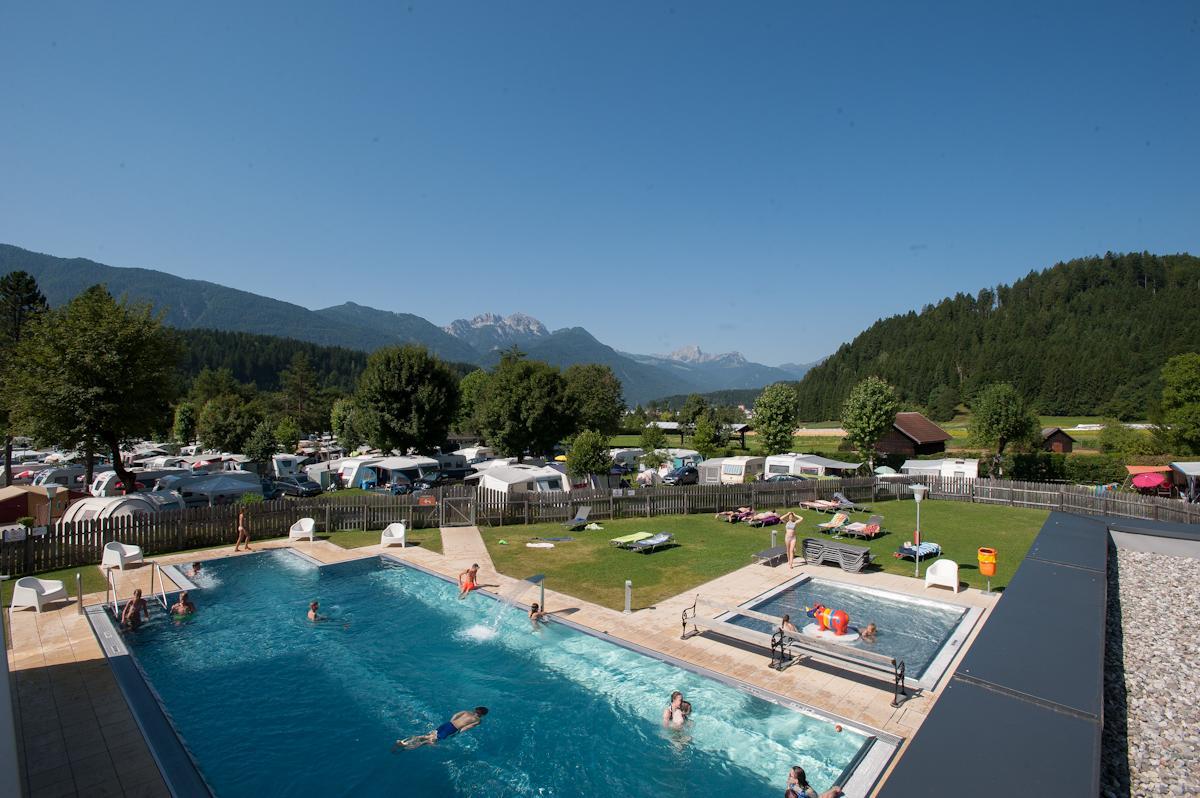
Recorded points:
(79, 739)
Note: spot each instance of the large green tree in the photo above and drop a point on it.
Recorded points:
(943, 403)
(96, 369)
(589, 455)
(1181, 402)
(225, 423)
(260, 446)
(469, 388)
(183, 430)
(21, 301)
(867, 415)
(408, 399)
(775, 417)
(345, 419)
(999, 416)
(706, 436)
(596, 393)
(523, 407)
(300, 390)
(652, 438)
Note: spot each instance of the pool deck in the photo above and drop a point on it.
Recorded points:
(78, 738)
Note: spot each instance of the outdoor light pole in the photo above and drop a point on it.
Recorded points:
(918, 492)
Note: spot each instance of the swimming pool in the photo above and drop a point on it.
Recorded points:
(911, 629)
(271, 704)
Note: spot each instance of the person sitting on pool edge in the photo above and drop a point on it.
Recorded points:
(868, 634)
(467, 719)
(135, 610)
(677, 711)
(183, 606)
(798, 786)
(466, 580)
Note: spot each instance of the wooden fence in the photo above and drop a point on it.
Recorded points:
(82, 542)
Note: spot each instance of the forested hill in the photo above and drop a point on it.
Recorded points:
(1080, 338)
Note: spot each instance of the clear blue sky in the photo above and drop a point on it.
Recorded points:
(766, 177)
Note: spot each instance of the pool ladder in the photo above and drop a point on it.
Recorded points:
(113, 600)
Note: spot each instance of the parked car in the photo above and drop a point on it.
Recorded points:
(437, 479)
(297, 486)
(784, 478)
(684, 475)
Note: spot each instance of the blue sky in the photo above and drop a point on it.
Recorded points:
(766, 177)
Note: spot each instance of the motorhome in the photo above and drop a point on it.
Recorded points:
(108, 483)
(401, 470)
(736, 470)
(806, 465)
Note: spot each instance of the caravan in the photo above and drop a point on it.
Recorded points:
(107, 483)
(806, 465)
(70, 477)
(736, 470)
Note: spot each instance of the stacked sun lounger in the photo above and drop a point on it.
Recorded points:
(847, 557)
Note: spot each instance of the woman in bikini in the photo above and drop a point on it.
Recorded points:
(789, 536)
(243, 532)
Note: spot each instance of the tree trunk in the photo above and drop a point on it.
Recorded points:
(8, 459)
(123, 474)
(89, 462)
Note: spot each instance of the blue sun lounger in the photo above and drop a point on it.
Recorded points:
(652, 543)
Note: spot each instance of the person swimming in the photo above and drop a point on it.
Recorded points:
(786, 625)
(195, 570)
(313, 615)
(462, 721)
(536, 615)
(135, 610)
(868, 634)
(798, 786)
(677, 711)
(466, 580)
(183, 607)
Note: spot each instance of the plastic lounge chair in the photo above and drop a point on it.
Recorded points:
(943, 573)
(29, 591)
(626, 540)
(304, 528)
(820, 505)
(927, 550)
(118, 555)
(847, 557)
(873, 528)
(771, 556)
(651, 543)
(845, 504)
(393, 534)
(833, 524)
(580, 520)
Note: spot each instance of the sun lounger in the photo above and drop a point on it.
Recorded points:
(625, 540)
(845, 504)
(651, 543)
(733, 516)
(580, 520)
(927, 550)
(849, 558)
(834, 524)
(764, 519)
(873, 528)
(820, 505)
(771, 556)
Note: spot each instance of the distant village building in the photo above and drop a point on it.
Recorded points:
(1055, 439)
(913, 434)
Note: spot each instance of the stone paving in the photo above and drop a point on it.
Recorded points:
(80, 740)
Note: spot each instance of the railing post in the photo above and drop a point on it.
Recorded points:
(628, 596)
(79, 591)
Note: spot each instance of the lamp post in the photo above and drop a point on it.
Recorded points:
(918, 492)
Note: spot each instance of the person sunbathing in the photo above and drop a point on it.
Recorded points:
(467, 719)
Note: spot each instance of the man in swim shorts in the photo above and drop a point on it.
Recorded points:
(467, 719)
(183, 607)
(313, 614)
(466, 580)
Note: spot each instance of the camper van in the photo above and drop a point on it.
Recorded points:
(962, 469)
(736, 470)
(287, 465)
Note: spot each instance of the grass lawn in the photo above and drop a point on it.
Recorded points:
(430, 539)
(591, 569)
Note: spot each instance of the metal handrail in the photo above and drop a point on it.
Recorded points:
(161, 595)
(110, 594)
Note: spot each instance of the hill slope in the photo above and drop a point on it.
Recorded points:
(1080, 338)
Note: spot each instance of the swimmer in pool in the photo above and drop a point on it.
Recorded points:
(195, 570)
(313, 615)
(869, 633)
(786, 625)
(467, 719)
(135, 610)
(536, 615)
(183, 607)
(798, 786)
(466, 580)
(677, 711)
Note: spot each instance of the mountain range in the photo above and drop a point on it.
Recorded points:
(199, 304)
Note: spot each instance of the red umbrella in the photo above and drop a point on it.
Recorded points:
(1151, 481)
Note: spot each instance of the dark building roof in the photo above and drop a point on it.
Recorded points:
(920, 429)
(1049, 431)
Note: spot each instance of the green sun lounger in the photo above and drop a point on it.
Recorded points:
(626, 540)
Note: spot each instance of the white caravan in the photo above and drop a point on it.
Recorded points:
(736, 470)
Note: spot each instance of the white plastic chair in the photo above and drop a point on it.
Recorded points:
(29, 591)
(118, 555)
(393, 534)
(944, 573)
(304, 528)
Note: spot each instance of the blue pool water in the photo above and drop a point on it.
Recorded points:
(909, 629)
(270, 704)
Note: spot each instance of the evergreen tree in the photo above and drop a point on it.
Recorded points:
(21, 301)
(943, 403)
(407, 399)
(775, 417)
(298, 384)
(1181, 402)
(868, 415)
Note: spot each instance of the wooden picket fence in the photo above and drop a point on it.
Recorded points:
(82, 543)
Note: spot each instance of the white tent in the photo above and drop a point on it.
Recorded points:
(122, 506)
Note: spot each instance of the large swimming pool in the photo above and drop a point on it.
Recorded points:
(270, 704)
(910, 629)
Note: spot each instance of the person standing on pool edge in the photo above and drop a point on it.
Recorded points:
(466, 580)
(467, 719)
(243, 532)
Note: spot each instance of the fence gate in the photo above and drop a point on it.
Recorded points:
(458, 511)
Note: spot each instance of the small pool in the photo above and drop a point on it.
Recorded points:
(269, 704)
(911, 629)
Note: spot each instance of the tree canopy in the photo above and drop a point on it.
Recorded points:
(21, 301)
(595, 392)
(407, 399)
(999, 416)
(1181, 402)
(868, 414)
(775, 417)
(589, 454)
(523, 407)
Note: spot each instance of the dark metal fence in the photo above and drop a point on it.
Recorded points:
(81, 543)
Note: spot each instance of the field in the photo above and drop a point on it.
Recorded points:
(590, 568)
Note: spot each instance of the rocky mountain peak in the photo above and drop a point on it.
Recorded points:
(694, 354)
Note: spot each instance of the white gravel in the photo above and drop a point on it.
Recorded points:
(1152, 675)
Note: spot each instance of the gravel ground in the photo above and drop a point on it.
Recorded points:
(1152, 674)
